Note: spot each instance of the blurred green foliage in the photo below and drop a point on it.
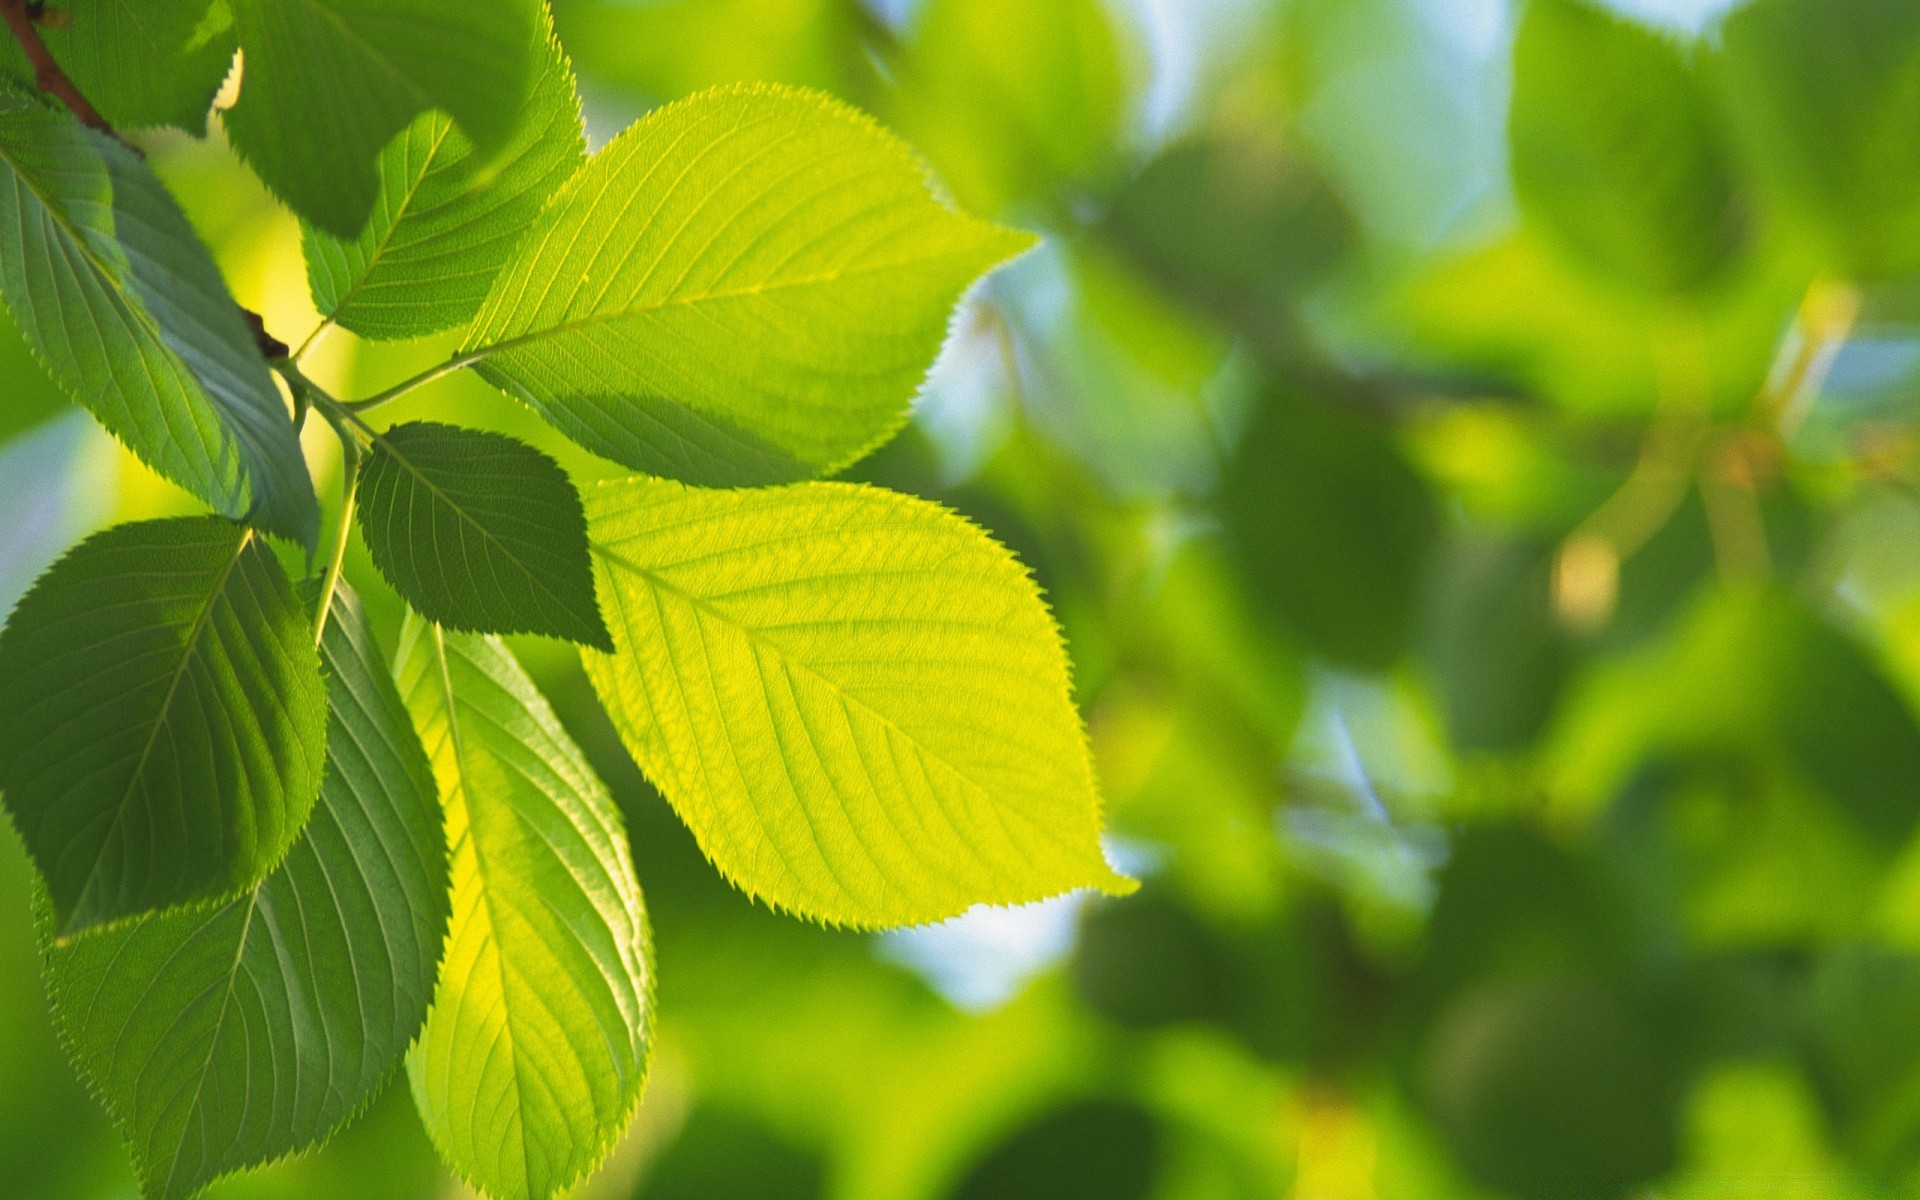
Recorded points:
(1471, 448)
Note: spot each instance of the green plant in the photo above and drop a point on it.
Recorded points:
(271, 863)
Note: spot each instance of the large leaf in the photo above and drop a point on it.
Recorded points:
(60, 484)
(329, 82)
(480, 532)
(1830, 90)
(531, 1062)
(856, 699)
(162, 718)
(221, 1037)
(141, 62)
(745, 287)
(447, 217)
(117, 295)
(1617, 150)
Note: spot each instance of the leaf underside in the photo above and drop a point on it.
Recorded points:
(329, 82)
(118, 297)
(532, 1058)
(448, 217)
(227, 1036)
(162, 718)
(856, 700)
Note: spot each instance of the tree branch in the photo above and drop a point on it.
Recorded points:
(23, 18)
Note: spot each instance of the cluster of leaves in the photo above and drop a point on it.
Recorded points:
(272, 863)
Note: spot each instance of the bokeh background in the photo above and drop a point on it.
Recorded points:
(1470, 447)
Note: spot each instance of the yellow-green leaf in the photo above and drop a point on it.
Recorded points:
(856, 699)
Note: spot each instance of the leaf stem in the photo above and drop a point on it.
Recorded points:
(22, 19)
(459, 362)
(350, 488)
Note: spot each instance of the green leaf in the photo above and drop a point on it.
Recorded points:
(448, 217)
(1830, 92)
(162, 718)
(1616, 149)
(745, 287)
(1013, 100)
(118, 297)
(531, 1062)
(480, 532)
(856, 700)
(329, 82)
(141, 62)
(222, 1037)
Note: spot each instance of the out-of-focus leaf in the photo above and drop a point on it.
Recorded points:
(1754, 673)
(225, 1037)
(162, 719)
(1864, 1053)
(531, 1061)
(1830, 93)
(1616, 148)
(1091, 1150)
(720, 1154)
(329, 82)
(1013, 101)
(919, 748)
(1556, 1087)
(447, 216)
(1497, 650)
(667, 49)
(118, 297)
(140, 62)
(745, 287)
(1237, 224)
(1133, 387)
(1330, 526)
(480, 532)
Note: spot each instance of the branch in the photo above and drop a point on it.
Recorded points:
(23, 17)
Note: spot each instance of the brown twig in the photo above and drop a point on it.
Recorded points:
(23, 17)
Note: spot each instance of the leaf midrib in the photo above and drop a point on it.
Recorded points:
(200, 622)
(386, 239)
(482, 353)
(486, 534)
(486, 893)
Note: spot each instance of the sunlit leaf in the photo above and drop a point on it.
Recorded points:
(328, 82)
(856, 700)
(222, 1037)
(531, 1062)
(480, 532)
(447, 216)
(162, 718)
(745, 287)
(117, 295)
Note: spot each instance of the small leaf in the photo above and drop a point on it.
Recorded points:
(141, 62)
(1617, 150)
(116, 294)
(745, 287)
(533, 1055)
(329, 82)
(856, 699)
(447, 218)
(480, 532)
(1825, 89)
(162, 718)
(222, 1037)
